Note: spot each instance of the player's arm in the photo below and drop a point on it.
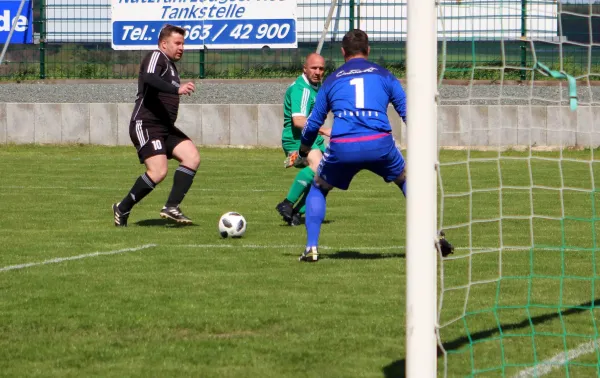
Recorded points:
(398, 97)
(300, 100)
(151, 74)
(300, 121)
(314, 122)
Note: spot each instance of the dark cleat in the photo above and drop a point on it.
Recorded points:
(175, 214)
(296, 220)
(120, 218)
(286, 210)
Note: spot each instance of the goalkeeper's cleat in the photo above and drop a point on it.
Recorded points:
(295, 160)
(120, 218)
(286, 210)
(311, 254)
(444, 245)
(175, 214)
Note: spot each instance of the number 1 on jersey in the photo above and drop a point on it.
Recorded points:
(359, 91)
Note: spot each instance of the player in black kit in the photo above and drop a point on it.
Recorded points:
(153, 132)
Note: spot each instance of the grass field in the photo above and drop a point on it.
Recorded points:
(160, 300)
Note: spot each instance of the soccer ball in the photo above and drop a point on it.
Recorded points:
(232, 225)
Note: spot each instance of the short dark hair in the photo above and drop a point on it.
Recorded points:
(356, 42)
(167, 30)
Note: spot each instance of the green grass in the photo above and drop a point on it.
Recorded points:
(193, 304)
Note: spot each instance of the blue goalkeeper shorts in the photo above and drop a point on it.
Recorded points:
(343, 160)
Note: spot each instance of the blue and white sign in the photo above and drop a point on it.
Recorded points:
(218, 24)
(23, 29)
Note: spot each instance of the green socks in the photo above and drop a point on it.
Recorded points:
(301, 184)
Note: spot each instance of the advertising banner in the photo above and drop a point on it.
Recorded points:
(218, 24)
(23, 33)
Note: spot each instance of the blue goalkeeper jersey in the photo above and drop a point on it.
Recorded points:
(358, 94)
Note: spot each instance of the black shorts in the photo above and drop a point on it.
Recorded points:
(151, 139)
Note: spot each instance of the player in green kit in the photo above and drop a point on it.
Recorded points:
(298, 103)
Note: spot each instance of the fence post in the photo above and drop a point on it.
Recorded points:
(523, 38)
(202, 57)
(358, 14)
(351, 15)
(42, 39)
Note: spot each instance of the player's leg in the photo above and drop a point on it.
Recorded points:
(331, 174)
(392, 169)
(181, 148)
(401, 181)
(316, 207)
(388, 162)
(299, 185)
(150, 146)
(314, 158)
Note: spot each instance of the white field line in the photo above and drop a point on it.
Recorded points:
(558, 361)
(258, 246)
(23, 187)
(134, 249)
(543, 368)
(249, 246)
(78, 257)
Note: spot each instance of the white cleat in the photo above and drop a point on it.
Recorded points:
(311, 254)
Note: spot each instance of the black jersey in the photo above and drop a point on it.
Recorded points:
(158, 84)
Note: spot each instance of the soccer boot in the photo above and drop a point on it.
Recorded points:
(445, 247)
(175, 214)
(286, 210)
(311, 254)
(296, 220)
(120, 218)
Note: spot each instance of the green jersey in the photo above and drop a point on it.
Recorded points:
(299, 101)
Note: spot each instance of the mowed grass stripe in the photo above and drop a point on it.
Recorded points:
(199, 305)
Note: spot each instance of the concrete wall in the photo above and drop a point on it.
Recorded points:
(260, 125)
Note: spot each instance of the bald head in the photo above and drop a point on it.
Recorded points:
(314, 67)
(312, 57)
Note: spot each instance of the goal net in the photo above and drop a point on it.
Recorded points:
(517, 196)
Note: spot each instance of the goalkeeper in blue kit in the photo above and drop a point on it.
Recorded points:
(358, 94)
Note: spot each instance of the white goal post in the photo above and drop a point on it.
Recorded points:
(421, 218)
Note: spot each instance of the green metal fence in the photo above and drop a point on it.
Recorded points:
(73, 40)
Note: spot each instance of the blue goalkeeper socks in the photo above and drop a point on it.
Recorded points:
(315, 214)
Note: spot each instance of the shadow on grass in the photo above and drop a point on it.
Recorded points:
(525, 323)
(163, 223)
(356, 255)
(397, 368)
(302, 223)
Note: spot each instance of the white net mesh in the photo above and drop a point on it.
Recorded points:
(517, 188)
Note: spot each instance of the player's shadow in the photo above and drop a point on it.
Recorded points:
(162, 223)
(302, 222)
(356, 255)
(397, 368)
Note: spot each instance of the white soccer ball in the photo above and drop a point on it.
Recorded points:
(232, 225)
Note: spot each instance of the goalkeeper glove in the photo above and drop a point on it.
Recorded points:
(295, 160)
(444, 245)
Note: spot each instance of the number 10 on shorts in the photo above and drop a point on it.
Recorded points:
(157, 145)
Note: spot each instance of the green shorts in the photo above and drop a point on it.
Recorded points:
(291, 145)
